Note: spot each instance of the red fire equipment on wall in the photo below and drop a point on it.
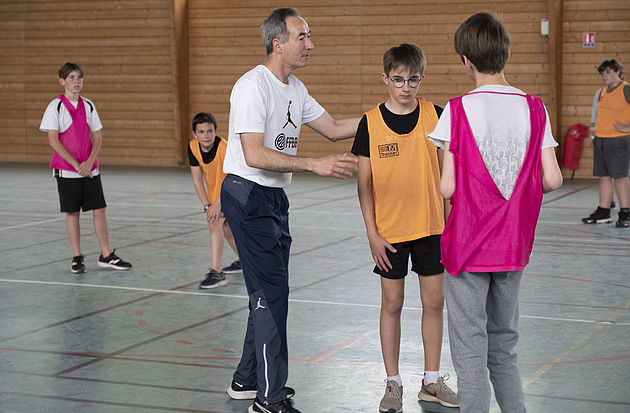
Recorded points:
(572, 147)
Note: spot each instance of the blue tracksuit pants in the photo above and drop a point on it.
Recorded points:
(259, 219)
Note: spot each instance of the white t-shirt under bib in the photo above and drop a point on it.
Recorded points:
(501, 127)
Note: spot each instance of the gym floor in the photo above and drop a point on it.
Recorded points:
(147, 340)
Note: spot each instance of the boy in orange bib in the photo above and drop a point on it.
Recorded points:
(398, 186)
(206, 153)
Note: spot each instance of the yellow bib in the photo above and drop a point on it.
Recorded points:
(213, 171)
(611, 107)
(405, 178)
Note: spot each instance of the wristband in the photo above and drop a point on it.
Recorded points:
(205, 208)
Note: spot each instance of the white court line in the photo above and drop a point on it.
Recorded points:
(154, 290)
(30, 224)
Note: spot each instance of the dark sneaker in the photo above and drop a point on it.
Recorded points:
(392, 400)
(600, 216)
(233, 268)
(439, 393)
(238, 391)
(113, 262)
(213, 279)
(78, 264)
(285, 406)
(624, 218)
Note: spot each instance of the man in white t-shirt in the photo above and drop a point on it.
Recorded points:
(268, 105)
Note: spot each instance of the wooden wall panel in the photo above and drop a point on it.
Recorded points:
(350, 38)
(135, 53)
(125, 50)
(610, 20)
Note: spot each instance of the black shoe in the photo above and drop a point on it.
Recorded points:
(78, 264)
(624, 218)
(285, 406)
(112, 261)
(233, 268)
(600, 216)
(239, 392)
(213, 279)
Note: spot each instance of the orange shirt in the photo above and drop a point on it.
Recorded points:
(213, 171)
(611, 107)
(405, 178)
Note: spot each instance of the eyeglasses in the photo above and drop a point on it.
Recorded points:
(400, 82)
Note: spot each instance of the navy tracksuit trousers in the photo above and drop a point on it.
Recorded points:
(259, 219)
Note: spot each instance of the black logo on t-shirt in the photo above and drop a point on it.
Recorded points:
(388, 150)
(289, 117)
(283, 142)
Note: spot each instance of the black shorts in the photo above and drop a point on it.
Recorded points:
(425, 258)
(610, 156)
(80, 194)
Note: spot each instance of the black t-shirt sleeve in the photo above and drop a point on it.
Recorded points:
(361, 145)
(191, 158)
(438, 110)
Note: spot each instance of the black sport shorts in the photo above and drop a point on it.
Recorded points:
(425, 258)
(80, 194)
(610, 156)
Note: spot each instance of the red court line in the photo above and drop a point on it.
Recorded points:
(351, 341)
(313, 360)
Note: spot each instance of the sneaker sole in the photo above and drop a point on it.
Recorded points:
(232, 271)
(115, 267)
(428, 398)
(241, 395)
(217, 285)
(77, 271)
(598, 221)
(389, 411)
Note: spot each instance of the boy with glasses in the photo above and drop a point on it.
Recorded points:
(398, 187)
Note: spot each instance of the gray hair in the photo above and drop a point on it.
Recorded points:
(275, 27)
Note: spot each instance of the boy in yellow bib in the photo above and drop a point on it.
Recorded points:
(398, 187)
(206, 153)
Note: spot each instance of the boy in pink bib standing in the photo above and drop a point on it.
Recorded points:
(499, 158)
(74, 133)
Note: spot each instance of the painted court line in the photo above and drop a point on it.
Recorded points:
(293, 300)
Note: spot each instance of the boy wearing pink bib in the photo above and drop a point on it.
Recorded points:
(499, 158)
(74, 134)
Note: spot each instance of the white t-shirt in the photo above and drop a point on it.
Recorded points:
(260, 103)
(501, 127)
(60, 120)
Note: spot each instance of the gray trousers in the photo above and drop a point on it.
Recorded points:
(483, 333)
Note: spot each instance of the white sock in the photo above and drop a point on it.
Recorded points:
(431, 377)
(396, 378)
